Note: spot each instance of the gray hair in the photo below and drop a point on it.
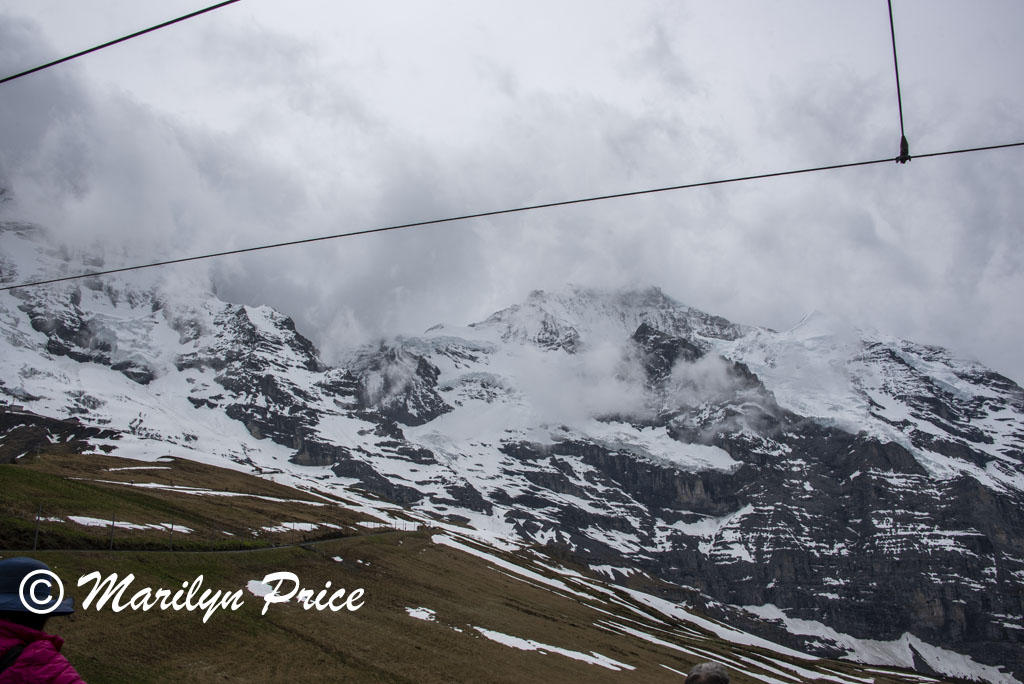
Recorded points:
(708, 673)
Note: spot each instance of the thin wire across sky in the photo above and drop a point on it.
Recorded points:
(110, 43)
(499, 212)
(902, 158)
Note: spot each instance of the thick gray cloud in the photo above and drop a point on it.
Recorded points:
(261, 123)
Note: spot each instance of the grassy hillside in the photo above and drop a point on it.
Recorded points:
(478, 608)
(211, 508)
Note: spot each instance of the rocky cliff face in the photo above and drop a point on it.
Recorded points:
(857, 483)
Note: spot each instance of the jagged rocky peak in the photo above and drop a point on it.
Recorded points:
(660, 352)
(143, 323)
(569, 319)
(399, 382)
(956, 416)
(107, 323)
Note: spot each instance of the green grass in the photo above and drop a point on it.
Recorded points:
(58, 486)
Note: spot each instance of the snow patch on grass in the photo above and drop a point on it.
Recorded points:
(422, 614)
(593, 657)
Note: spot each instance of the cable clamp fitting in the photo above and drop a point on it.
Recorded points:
(904, 151)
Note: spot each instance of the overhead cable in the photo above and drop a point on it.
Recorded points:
(904, 156)
(497, 212)
(116, 41)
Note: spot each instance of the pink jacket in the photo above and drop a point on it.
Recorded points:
(40, 662)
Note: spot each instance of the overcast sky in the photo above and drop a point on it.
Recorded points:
(267, 121)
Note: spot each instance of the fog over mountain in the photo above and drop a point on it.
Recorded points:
(255, 124)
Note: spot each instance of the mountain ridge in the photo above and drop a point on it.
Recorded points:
(773, 471)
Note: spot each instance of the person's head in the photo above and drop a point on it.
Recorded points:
(30, 620)
(26, 584)
(708, 673)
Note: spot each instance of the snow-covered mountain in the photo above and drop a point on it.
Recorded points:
(843, 491)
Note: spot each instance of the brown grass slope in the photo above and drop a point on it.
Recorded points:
(397, 570)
